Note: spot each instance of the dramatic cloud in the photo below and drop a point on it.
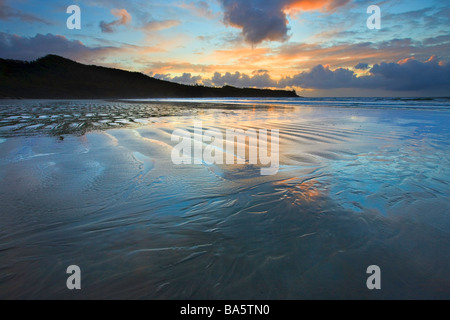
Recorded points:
(267, 19)
(412, 75)
(23, 48)
(124, 19)
(186, 78)
(7, 13)
(425, 76)
(345, 55)
(258, 80)
(321, 77)
(405, 75)
(362, 66)
(31, 48)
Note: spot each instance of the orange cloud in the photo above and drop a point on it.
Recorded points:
(307, 5)
(266, 20)
(432, 58)
(125, 17)
(160, 25)
(403, 61)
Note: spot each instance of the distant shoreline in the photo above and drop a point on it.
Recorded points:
(54, 77)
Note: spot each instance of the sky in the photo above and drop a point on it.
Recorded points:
(316, 47)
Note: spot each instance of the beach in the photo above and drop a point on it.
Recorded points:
(92, 183)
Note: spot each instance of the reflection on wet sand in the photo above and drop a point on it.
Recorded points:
(300, 192)
(348, 194)
(78, 117)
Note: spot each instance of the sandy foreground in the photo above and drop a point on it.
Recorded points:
(92, 183)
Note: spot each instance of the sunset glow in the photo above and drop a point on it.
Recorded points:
(264, 44)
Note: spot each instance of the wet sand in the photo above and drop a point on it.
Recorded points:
(356, 187)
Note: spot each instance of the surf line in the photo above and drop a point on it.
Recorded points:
(209, 147)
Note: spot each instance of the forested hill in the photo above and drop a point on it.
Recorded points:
(54, 77)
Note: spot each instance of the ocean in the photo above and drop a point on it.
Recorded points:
(359, 182)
